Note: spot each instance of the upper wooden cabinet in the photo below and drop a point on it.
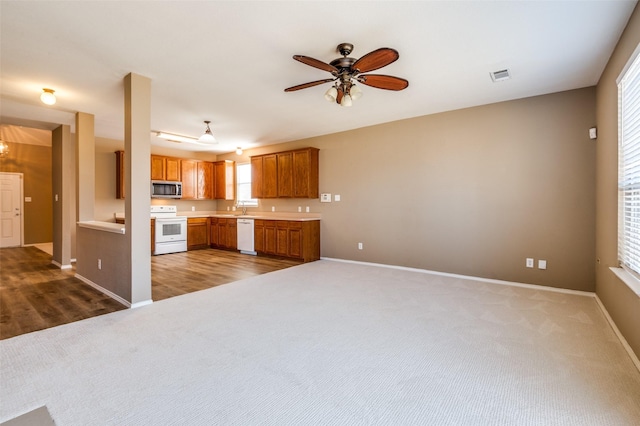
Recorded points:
(189, 179)
(197, 180)
(225, 172)
(288, 174)
(165, 168)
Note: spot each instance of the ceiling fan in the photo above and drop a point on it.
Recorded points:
(347, 71)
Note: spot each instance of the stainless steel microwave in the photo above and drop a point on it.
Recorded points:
(166, 189)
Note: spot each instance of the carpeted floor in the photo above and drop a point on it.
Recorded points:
(331, 343)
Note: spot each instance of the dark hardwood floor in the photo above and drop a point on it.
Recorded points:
(35, 295)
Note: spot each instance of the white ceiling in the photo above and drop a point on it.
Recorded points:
(230, 61)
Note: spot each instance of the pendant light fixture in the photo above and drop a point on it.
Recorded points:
(207, 136)
(4, 149)
(48, 96)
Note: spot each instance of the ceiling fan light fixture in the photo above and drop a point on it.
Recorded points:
(331, 94)
(48, 96)
(355, 92)
(346, 101)
(207, 136)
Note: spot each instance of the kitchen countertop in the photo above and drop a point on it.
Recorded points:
(301, 217)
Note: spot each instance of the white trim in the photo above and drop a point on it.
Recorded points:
(469, 277)
(104, 290)
(624, 342)
(140, 304)
(627, 278)
(635, 53)
(21, 175)
(53, 262)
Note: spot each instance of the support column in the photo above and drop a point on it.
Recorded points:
(64, 196)
(137, 123)
(86, 166)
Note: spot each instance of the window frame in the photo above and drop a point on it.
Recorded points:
(251, 202)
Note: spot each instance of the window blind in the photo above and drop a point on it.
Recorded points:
(629, 167)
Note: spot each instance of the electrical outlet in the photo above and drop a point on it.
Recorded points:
(359, 246)
(529, 262)
(307, 209)
(299, 209)
(273, 208)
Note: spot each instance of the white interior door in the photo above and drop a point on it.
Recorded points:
(10, 209)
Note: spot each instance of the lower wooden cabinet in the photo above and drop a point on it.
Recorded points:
(294, 239)
(224, 233)
(197, 233)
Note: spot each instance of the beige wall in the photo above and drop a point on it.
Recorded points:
(34, 161)
(472, 192)
(623, 305)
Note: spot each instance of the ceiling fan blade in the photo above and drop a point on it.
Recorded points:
(310, 84)
(377, 59)
(315, 63)
(383, 81)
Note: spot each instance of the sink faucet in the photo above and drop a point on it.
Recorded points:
(244, 208)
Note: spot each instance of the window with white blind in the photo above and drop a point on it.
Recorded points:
(629, 167)
(243, 185)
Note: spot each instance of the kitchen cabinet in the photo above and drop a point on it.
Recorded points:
(165, 168)
(287, 174)
(197, 180)
(205, 179)
(306, 173)
(224, 233)
(293, 239)
(189, 179)
(119, 175)
(257, 177)
(225, 172)
(197, 233)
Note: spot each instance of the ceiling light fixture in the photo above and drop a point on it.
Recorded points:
(239, 151)
(207, 136)
(4, 149)
(176, 138)
(48, 97)
(346, 72)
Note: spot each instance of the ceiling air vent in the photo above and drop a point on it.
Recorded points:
(501, 75)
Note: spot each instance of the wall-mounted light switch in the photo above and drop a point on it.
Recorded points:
(529, 262)
(336, 197)
(325, 198)
(542, 264)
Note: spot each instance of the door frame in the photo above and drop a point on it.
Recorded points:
(21, 203)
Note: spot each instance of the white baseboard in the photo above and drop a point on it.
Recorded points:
(625, 344)
(140, 304)
(53, 262)
(469, 277)
(104, 291)
(632, 355)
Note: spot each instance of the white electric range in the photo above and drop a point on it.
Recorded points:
(171, 230)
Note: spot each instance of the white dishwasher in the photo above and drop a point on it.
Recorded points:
(245, 236)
